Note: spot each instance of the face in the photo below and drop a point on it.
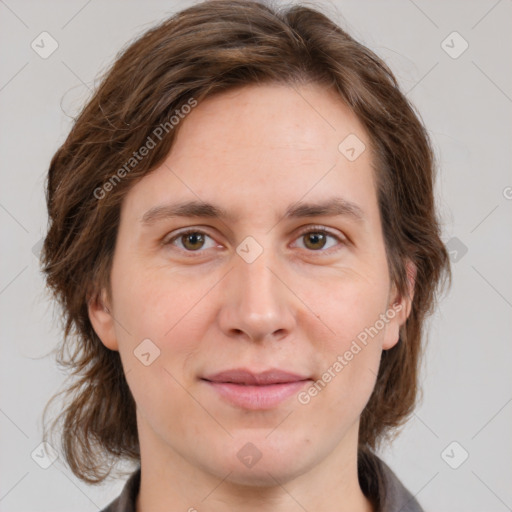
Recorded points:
(225, 317)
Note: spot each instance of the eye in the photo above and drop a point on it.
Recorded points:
(316, 239)
(191, 240)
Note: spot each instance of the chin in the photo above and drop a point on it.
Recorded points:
(257, 461)
(267, 474)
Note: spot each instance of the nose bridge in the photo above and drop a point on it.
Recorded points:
(257, 280)
(257, 302)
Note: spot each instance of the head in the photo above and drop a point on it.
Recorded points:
(260, 112)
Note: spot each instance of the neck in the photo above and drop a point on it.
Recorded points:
(169, 482)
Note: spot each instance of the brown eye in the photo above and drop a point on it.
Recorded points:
(192, 241)
(314, 240)
(319, 240)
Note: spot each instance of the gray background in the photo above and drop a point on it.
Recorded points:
(465, 103)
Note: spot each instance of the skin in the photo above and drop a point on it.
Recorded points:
(254, 151)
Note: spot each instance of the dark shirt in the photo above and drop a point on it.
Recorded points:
(384, 489)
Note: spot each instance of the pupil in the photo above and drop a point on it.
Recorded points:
(316, 238)
(193, 238)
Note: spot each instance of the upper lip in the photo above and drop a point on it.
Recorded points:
(247, 377)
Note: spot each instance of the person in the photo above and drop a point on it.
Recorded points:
(244, 242)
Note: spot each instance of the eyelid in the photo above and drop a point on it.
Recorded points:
(167, 239)
(324, 229)
(341, 238)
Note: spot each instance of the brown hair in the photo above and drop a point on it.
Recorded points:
(208, 48)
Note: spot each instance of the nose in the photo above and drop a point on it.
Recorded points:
(257, 303)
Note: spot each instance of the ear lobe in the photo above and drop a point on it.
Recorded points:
(399, 309)
(102, 320)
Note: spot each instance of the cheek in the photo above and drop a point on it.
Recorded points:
(154, 303)
(351, 350)
(349, 306)
(167, 319)
(149, 314)
(162, 332)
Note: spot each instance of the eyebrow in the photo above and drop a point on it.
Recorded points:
(335, 206)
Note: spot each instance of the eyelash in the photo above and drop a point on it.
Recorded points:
(310, 229)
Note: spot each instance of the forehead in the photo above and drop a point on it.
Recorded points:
(270, 117)
(262, 146)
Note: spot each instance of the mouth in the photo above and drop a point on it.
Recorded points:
(256, 391)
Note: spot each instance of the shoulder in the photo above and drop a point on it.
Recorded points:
(383, 487)
(125, 502)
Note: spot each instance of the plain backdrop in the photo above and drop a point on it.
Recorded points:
(455, 454)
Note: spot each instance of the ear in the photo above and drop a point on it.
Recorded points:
(399, 308)
(102, 320)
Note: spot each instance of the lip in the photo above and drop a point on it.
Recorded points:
(250, 390)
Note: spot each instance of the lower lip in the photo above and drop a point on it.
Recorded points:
(257, 397)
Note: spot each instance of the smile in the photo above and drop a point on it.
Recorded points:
(256, 391)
